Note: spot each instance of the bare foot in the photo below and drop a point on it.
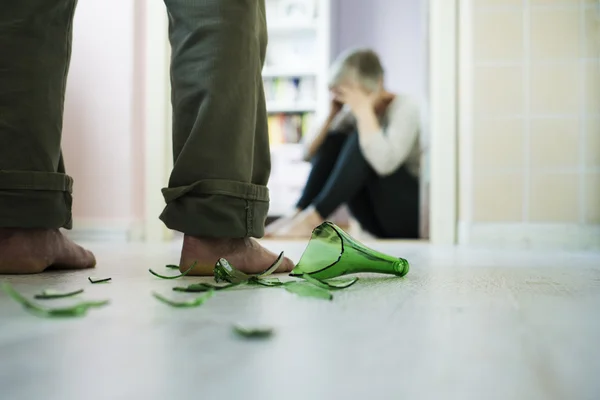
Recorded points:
(301, 226)
(272, 228)
(246, 255)
(31, 251)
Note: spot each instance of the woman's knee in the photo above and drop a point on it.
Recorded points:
(334, 141)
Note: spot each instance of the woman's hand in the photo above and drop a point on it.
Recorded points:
(335, 108)
(357, 99)
(313, 146)
(363, 106)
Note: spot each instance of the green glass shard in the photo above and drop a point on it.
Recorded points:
(315, 281)
(273, 267)
(254, 280)
(225, 272)
(253, 332)
(184, 273)
(76, 310)
(93, 279)
(328, 285)
(55, 294)
(331, 252)
(341, 283)
(198, 301)
(305, 289)
(203, 287)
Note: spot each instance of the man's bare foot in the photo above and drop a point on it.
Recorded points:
(31, 251)
(301, 226)
(246, 255)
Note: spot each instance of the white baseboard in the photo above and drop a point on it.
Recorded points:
(98, 230)
(531, 236)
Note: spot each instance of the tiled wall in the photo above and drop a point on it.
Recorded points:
(535, 90)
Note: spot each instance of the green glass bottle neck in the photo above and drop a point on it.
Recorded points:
(375, 263)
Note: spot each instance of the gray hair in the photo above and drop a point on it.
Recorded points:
(361, 64)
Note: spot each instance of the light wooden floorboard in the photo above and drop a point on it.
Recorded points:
(463, 324)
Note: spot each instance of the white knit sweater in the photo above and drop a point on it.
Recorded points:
(396, 144)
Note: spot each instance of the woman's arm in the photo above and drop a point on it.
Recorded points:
(337, 116)
(387, 150)
(313, 146)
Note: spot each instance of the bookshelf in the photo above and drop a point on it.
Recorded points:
(295, 81)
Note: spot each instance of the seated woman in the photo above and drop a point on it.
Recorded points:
(366, 155)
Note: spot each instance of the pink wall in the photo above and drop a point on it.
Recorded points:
(102, 137)
(396, 29)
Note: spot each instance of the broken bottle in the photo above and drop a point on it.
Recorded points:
(331, 252)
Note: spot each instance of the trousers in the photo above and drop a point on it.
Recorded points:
(220, 139)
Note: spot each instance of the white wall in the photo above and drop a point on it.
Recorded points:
(396, 29)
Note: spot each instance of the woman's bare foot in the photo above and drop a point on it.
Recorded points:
(246, 255)
(31, 251)
(272, 228)
(301, 226)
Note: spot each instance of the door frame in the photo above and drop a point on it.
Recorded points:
(157, 117)
(442, 171)
(443, 121)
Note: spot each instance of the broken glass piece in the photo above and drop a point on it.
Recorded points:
(56, 294)
(203, 287)
(98, 280)
(184, 273)
(306, 289)
(77, 310)
(198, 301)
(331, 252)
(225, 272)
(273, 267)
(253, 332)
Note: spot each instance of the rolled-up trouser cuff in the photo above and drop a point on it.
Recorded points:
(35, 200)
(217, 208)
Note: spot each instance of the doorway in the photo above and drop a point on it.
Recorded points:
(439, 172)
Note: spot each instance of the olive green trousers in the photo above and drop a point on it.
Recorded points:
(220, 138)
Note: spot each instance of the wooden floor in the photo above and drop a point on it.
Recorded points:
(463, 324)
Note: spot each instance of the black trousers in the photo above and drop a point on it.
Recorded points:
(387, 207)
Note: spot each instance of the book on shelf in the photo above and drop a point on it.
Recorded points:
(285, 128)
(291, 10)
(290, 90)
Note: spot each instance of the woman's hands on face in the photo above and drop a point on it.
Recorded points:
(363, 105)
(357, 98)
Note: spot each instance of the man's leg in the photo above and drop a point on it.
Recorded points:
(217, 193)
(35, 193)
